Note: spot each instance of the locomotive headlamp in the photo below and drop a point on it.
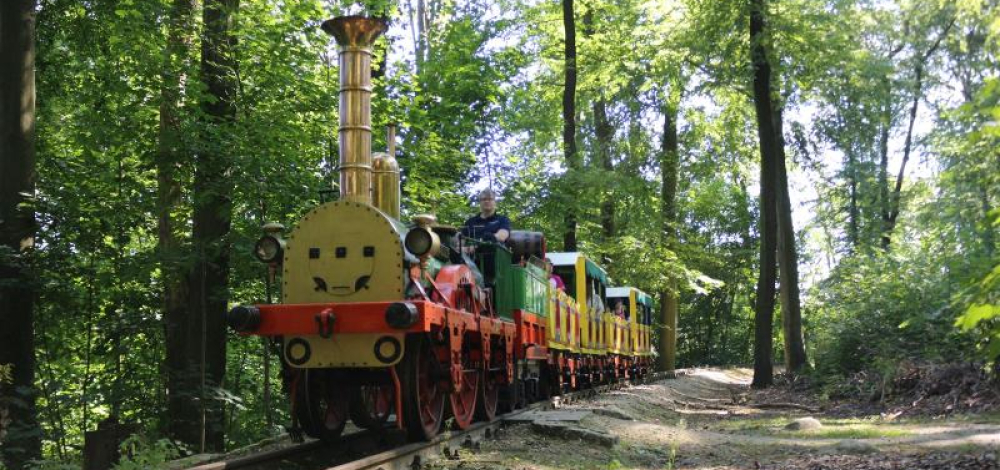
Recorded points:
(269, 248)
(422, 241)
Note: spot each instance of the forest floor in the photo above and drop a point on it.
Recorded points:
(711, 419)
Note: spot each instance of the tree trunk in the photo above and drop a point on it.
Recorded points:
(421, 45)
(788, 259)
(764, 317)
(21, 439)
(208, 279)
(569, 120)
(890, 223)
(989, 240)
(853, 213)
(170, 156)
(883, 163)
(604, 134)
(669, 162)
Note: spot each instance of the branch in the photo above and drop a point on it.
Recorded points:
(907, 147)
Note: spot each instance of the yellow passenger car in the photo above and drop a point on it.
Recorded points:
(632, 312)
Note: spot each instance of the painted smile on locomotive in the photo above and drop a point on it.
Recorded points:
(379, 317)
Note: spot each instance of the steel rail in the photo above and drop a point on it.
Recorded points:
(408, 456)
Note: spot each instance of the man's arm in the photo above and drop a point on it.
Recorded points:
(504, 230)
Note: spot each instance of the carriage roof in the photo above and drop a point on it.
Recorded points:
(640, 296)
(570, 258)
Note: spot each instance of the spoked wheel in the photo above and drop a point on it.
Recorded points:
(463, 400)
(489, 389)
(371, 405)
(489, 397)
(423, 395)
(320, 405)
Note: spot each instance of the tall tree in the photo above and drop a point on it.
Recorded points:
(669, 305)
(569, 119)
(21, 441)
(170, 159)
(208, 284)
(778, 231)
(763, 375)
(788, 260)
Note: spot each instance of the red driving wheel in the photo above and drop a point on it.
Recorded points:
(423, 392)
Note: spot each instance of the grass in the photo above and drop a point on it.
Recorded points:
(870, 431)
(851, 428)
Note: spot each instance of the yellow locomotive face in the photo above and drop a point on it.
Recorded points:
(343, 252)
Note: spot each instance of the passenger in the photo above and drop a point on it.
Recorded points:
(488, 225)
(620, 309)
(555, 280)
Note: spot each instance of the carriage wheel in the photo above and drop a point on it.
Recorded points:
(463, 400)
(371, 405)
(320, 405)
(423, 394)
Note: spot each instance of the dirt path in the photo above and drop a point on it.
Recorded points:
(702, 420)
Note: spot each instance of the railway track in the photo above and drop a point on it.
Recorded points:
(387, 449)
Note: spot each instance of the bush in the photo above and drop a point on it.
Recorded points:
(878, 310)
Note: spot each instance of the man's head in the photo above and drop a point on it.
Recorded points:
(487, 202)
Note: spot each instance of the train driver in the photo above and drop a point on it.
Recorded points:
(487, 225)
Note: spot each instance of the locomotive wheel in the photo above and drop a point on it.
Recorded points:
(512, 396)
(320, 405)
(463, 400)
(371, 405)
(489, 389)
(489, 397)
(423, 396)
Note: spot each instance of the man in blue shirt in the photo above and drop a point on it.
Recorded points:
(488, 225)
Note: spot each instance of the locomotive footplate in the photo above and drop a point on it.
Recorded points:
(338, 335)
(362, 317)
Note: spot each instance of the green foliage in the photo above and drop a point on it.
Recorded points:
(982, 317)
(886, 308)
(50, 465)
(140, 452)
(5, 373)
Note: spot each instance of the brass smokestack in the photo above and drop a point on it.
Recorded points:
(355, 36)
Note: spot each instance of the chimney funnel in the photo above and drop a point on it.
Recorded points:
(355, 36)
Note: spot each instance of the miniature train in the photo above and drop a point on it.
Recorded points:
(382, 318)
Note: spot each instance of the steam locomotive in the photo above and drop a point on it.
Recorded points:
(381, 317)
